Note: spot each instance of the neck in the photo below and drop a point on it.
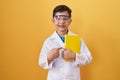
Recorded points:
(62, 33)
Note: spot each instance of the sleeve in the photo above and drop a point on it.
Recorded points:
(84, 57)
(43, 62)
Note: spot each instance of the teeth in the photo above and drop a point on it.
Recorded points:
(61, 25)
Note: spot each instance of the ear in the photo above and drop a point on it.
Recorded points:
(53, 20)
(70, 21)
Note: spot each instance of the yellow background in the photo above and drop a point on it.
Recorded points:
(25, 24)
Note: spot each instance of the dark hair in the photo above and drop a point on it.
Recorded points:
(61, 8)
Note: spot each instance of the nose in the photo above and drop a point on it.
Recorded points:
(62, 21)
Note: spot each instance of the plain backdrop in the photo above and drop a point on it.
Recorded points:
(25, 24)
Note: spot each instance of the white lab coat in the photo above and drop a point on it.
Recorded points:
(58, 68)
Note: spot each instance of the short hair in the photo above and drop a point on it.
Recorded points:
(62, 8)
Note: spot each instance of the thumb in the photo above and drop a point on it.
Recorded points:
(59, 48)
(65, 49)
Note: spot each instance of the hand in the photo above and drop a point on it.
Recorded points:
(54, 53)
(68, 54)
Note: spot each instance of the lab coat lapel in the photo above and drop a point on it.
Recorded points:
(57, 39)
(70, 33)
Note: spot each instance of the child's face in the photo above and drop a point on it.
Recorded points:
(61, 21)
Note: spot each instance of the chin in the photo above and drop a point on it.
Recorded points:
(62, 30)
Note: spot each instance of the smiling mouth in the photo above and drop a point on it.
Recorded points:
(61, 26)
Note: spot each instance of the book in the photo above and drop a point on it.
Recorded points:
(72, 42)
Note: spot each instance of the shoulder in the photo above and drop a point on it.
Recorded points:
(50, 38)
(71, 33)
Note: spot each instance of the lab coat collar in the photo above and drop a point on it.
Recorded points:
(55, 35)
(57, 39)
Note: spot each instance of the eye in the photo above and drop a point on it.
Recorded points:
(65, 18)
(57, 17)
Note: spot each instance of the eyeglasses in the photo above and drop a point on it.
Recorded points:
(61, 17)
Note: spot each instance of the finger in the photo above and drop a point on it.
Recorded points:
(63, 55)
(65, 49)
(59, 48)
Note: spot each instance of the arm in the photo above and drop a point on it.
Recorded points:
(47, 55)
(84, 57)
(43, 62)
(54, 53)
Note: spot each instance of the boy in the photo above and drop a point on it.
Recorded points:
(53, 52)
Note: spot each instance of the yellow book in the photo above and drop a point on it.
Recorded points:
(72, 42)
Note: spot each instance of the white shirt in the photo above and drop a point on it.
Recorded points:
(58, 68)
